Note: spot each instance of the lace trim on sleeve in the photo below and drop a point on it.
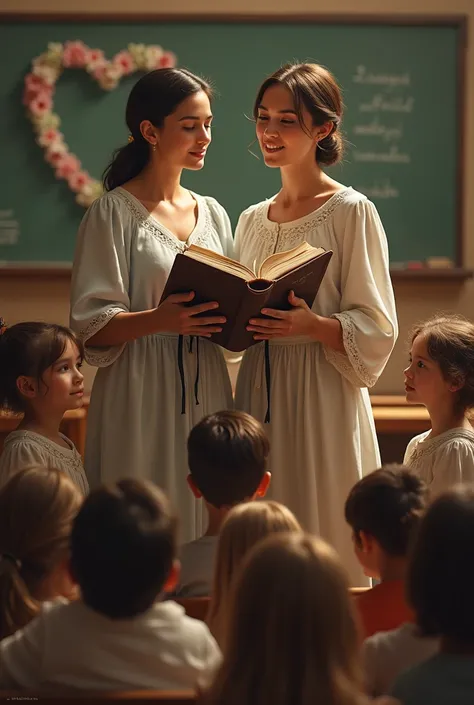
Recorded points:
(100, 356)
(351, 364)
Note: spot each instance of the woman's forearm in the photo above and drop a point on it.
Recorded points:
(125, 327)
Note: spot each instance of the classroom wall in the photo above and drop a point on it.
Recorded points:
(21, 299)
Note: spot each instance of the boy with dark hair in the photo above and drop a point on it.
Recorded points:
(384, 510)
(119, 635)
(227, 458)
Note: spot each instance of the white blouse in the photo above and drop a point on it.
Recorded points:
(442, 461)
(24, 449)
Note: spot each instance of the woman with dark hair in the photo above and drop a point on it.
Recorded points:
(158, 372)
(309, 378)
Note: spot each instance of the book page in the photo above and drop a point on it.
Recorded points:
(214, 259)
(281, 263)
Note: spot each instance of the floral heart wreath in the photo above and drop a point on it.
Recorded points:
(38, 98)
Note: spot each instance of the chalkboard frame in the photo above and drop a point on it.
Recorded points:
(458, 21)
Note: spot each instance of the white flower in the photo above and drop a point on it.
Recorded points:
(55, 48)
(109, 78)
(153, 55)
(138, 51)
(48, 73)
(89, 193)
(46, 122)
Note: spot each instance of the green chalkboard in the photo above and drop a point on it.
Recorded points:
(402, 82)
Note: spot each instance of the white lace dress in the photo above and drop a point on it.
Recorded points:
(26, 449)
(322, 430)
(442, 461)
(135, 426)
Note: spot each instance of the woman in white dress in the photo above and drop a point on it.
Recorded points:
(312, 378)
(158, 374)
(441, 376)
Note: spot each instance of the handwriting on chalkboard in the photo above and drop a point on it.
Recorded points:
(385, 105)
(380, 189)
(9, 228)
(362, 75)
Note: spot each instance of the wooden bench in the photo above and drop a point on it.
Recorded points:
(61, 697)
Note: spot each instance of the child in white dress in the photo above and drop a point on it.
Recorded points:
(311, 381)
(37, 509)
(40, 377)
(441, 376)
(158, 373)
(119, 635)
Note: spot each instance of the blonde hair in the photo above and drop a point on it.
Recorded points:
(37, 509)
(292, 638)
(244, 526)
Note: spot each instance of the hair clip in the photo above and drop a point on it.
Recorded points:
(131, 139)
(3, 326)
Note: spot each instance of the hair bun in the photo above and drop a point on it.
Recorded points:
(330, 149)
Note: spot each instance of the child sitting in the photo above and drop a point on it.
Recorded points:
(440, 588)
(40, 377)
(292, 635)
(383, 510)
(37, 508)
(227, 457)
(441, 376)
(244, 526)
(119, 635)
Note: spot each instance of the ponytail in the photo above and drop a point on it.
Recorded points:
(126, 163)
(37, 508)
(18, 607)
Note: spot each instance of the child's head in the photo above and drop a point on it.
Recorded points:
(441, 370)
(40, 362)
(244, 526)
(123, 548)
(383, 510)
(292, 635)
(227, 457)
(441, 576)
(37, 509)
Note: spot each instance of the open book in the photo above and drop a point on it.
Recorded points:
(241, 292)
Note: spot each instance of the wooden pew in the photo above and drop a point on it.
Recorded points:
(152, 697)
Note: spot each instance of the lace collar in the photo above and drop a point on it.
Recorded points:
(145, 219)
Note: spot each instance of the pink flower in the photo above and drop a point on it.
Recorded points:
(68, 165)
(34, 85)
(78, 180)
(49, 137)
(167, 60)
(41, 104)
(125, 62)
(55, 154)
(95, 59)
(75, 54)
(96, 55)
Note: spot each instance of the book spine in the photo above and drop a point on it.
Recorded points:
(252, 303)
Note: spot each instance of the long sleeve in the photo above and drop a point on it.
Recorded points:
(21, 655)
(100, 276)
(367, 315)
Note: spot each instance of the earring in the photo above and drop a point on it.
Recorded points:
(154, 147)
